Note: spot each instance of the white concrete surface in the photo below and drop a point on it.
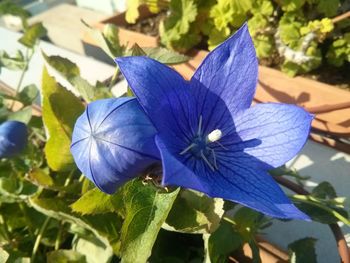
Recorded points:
(322, 164)
(64, 26)
(105, 6)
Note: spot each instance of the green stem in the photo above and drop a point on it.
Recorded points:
(23, 73)
(313, 201)
(59, 235)
(38, 238)
(69, 178)
(114, 78)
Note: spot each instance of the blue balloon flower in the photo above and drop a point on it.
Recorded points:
(209, 138)
(13, 138)
(113, 141)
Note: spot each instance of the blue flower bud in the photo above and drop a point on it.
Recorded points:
(113, 142)
(13, 138)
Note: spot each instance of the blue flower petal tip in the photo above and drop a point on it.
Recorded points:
(209, 137)
(13, 138)
(113, 142)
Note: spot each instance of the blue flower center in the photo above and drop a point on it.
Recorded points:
(200, 145)
(200, 149)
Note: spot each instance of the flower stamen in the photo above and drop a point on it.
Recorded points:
(214, 136)
(188, 148)
(199, 133)
(206, 161)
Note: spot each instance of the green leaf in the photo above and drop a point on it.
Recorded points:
(28, 94)
(60, 111)
(165, 56)
(227, 12)
(12, 8)
(58, 208)
(324, 190)
(223, 242)
(94, 202)
(71, 72)
(322, 210)
(32, 34)
(3, 255)
(93, 248)
(291, 5)
(194, 212)
(177, 24)
(329, 8)
(64, 66)
(84, 88)
(108, 40)
(264, 7)
(302, 251)
(132, 11)
(40, 177)
(146, 209)
(18, 62)
(111, 34)
(24, 115)
(65, 256)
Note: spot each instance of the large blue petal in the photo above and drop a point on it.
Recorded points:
(250, 187)
(164, 95)
(230, 71)
(280, 131)
(113, 141)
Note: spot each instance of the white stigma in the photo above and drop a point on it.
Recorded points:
(214, 136)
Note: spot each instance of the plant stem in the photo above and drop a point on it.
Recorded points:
(39, 237)
(312, 201)
(23, 73)
(114, 78)
(59, 235)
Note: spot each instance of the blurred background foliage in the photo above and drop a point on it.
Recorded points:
(297, 36)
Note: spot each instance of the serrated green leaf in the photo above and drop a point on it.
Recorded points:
(177, 24)
(58, 207)
(108, 40)
(84, 88)
(40, 177)
(60, 111)
(264, 7)
(64, 66)
(194, 212)
(32, 35)
(146, 209)
(217, 37)
(302, 251)
(12, 8)
(93, 248)
(94, 202)
(65, 256)
(132, 11)
(17, 62)
(165, 56)
(3, 255)
(223, 242)
(111, 34)
(24, 115)
(28, 94)
(324, 190)
(322, 210)
(291, 5)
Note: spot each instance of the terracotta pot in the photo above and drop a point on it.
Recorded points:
(330, 104)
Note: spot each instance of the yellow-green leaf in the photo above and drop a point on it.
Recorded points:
(60, 111)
